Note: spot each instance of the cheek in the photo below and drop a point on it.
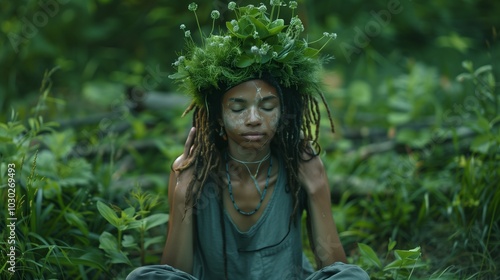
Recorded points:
(230, 122)
(274, 121)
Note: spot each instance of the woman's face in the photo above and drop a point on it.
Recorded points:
(250, 115)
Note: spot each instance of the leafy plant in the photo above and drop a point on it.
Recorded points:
(52, 232)
(474, 209)
(134, 238)
(401, 266)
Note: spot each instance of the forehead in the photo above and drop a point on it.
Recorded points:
(249, 90)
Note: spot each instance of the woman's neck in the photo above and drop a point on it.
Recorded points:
(248, 156)
(252, 160)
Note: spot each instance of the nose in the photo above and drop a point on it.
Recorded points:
(253, 118)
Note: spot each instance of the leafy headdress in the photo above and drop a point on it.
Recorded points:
(256, 43)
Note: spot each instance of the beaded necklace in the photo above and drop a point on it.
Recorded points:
(253, 176)
(230, 188)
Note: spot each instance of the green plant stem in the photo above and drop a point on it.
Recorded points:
(489, 234)
(326, 43)
(61, 213)
(32, 192)
(199, 27)
(120, 232)
(143, 253)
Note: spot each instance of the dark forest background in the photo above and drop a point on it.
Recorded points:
(92, 123)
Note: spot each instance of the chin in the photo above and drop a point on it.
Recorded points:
(254, 145)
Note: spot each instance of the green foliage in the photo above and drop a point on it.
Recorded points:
(58, 234)
(52, 210)
(255, 43)
(133, 231)
(401, 267)
(415, 158)
(441, 192)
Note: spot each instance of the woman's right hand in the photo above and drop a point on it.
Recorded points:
(183, 177)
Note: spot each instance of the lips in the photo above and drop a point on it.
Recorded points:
(253, 136)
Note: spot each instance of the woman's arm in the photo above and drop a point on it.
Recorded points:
(325, 239)
(178, 251)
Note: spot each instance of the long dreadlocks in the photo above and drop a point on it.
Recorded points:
(297, 134)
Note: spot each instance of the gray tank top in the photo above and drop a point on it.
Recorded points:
(270, 249)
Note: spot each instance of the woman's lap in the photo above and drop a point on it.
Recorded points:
(164, 272)
(339, 271)
(336, 271)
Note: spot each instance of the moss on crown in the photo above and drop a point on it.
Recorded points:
(253, 44)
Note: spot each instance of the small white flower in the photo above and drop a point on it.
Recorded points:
(183, 26)
(264, 48)
(231, 6)
(215, 14)
(297, 23)
(262, 8)
(293, 4)
(275, 2)
(193, 7)
(254, 49)
(255, 35)
(275, 54)
(187, 33)
(330, 35)
(234, 22)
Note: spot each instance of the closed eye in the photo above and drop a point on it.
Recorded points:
(269, 104)
(268, 109)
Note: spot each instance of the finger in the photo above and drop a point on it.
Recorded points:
(309, 150)
(189, 142)
(310, 144)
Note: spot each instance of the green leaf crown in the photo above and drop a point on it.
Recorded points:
(254, 44)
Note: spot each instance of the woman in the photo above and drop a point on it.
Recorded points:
(249, 167)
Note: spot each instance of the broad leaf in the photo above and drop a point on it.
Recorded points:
(369, 254)
(108, 214)
(156, 220)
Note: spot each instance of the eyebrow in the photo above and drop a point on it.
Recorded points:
(241, 100)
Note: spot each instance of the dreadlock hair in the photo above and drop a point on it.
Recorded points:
(297, 134)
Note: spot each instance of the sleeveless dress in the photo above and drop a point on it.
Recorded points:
(270, 250)
(272, 246)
